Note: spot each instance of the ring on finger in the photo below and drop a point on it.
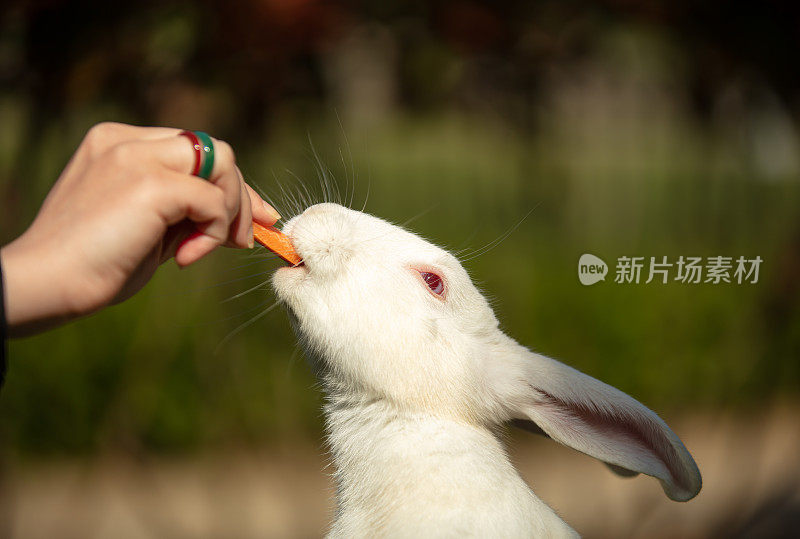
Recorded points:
(203, 153)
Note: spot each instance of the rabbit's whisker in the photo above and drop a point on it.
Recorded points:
(420, 214)
(226, 318)
(266, 197)
(245, 325)
(491, 245)
(369, 187)
(212, 286)
(252, 289)
(322, 175)
(310, 200)
(259, 256)
(292, 359)
(344, 165)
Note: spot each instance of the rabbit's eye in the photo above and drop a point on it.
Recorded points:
(434, 282)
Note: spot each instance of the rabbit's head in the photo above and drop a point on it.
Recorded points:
(385, 315)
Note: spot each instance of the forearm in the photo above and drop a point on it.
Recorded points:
(33, 299)
(2, 328)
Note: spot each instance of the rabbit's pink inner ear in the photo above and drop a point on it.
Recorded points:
(533, 428)
(623, 437)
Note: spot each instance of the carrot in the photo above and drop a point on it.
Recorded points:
(277, 242)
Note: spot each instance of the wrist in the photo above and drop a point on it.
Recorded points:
(33, 301)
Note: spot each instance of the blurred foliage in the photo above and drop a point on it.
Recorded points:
(607, 121)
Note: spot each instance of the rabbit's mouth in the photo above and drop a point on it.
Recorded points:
(291, 265)
(295, 268)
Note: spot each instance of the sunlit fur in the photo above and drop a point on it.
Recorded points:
(417, 387)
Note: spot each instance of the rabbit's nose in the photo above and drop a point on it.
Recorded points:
(323, 237)
(323, 209)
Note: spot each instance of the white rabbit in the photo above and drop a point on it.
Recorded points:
(419, 378)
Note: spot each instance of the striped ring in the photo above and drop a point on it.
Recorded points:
(203, 153)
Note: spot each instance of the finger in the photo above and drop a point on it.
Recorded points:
(179, 197)
(105, 135)
(262, 212)
(175, 153)
(204, 203)
(241, 230)
(178, 155)
(193, 248)
(225, 175)
(174, 237)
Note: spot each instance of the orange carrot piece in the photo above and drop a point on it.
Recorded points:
(277, 242)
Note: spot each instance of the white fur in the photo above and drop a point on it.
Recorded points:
(417, 386)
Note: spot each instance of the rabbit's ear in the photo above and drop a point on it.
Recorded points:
(599, 420)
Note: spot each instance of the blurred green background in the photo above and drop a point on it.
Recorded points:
(631, 131)
(630, 128)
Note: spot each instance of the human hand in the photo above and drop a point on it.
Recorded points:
(124, 204)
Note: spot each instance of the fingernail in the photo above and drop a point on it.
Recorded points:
(271, 211)
(250, 241)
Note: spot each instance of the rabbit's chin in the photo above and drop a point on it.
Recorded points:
(287, 282)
